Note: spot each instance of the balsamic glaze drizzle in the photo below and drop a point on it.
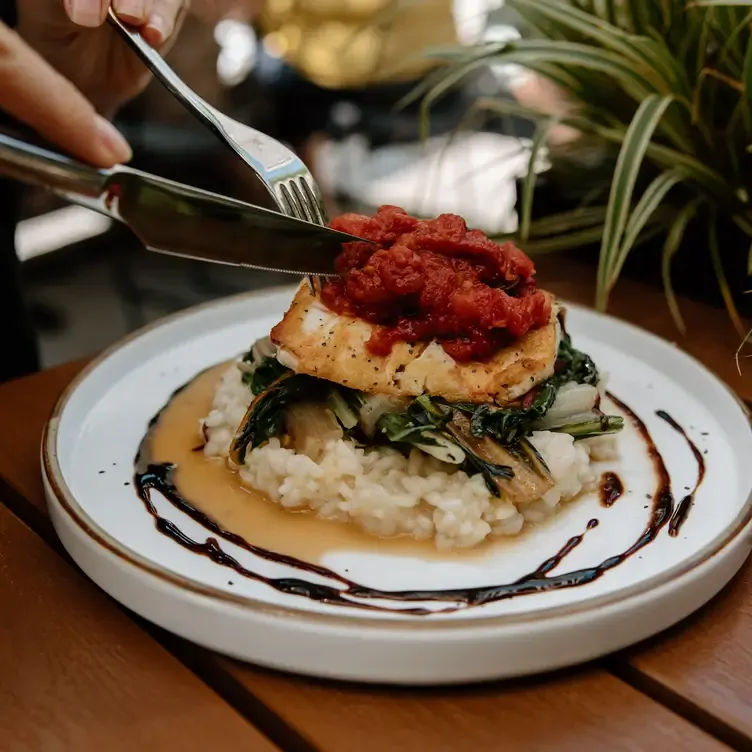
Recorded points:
(679, 517)
(610, 488)
(151, 477)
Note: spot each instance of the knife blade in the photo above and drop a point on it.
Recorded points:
(170, 217)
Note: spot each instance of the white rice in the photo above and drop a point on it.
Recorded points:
(389, 494)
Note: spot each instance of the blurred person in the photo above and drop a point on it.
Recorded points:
(63, 72)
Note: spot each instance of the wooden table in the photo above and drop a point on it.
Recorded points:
(79, 672)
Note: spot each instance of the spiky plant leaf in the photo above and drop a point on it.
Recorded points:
(681, 70)
(715, 256)
(539, 141)
(670, 247)
(641, 214)
(634, 146)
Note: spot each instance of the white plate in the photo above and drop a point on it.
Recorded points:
(93, 436)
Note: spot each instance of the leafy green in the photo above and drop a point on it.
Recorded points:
(436, 412)
(423, 425)
(463, 433)
(403, 428)
(508, 424)
(264, 374)
(432, 422)
(265, 415)
(428, 423)
(342, 409)
(482, 455)
(354, 398)
(599, 426)
(533, 457)
(573, 365)
(489, 470)
(423, 416)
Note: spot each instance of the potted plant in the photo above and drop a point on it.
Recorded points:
(655, 164)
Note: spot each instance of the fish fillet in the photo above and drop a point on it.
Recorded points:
(314, 340)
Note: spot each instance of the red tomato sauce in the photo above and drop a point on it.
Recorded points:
(434, 279)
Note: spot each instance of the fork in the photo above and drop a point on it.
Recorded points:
(284, 183)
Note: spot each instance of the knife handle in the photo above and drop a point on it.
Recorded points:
(32, 164)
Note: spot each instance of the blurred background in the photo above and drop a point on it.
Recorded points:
(329, 77)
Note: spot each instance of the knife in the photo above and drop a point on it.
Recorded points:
(179, 219)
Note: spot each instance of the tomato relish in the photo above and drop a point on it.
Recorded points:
(435, 279)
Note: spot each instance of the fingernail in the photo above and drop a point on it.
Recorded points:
(84, 12)
(114, 145)
(158, 29)
(131, 10)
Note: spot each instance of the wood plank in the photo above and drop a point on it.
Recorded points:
(587, 709)
(77, 674)
(710, 336)
(706, 660)
(26, 404)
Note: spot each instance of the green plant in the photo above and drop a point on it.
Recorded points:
(664, 88)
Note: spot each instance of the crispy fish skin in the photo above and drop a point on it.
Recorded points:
(314, 340)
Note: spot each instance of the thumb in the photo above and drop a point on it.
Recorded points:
(36, 94)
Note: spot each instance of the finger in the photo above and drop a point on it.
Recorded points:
(135, 12)
(36, 94)
(94, 12)
(87, 12)
(166, 17)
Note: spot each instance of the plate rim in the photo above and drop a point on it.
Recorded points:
(67, 502)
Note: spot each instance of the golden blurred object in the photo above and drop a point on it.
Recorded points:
(343, 44)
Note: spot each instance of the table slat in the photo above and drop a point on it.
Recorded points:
(26, 405)
(707, 659)
(587, 709)
(78, 674)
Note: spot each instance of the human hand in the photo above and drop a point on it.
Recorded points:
(78, 66)
(36, 94)
(73, 37)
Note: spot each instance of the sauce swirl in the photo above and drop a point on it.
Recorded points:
(338, 590)
(610, 488)
(679, 517)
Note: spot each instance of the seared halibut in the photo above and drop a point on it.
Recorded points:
(314, 340)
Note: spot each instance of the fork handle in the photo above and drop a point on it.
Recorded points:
(166, 75)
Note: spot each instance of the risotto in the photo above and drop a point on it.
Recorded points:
(387, 493)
